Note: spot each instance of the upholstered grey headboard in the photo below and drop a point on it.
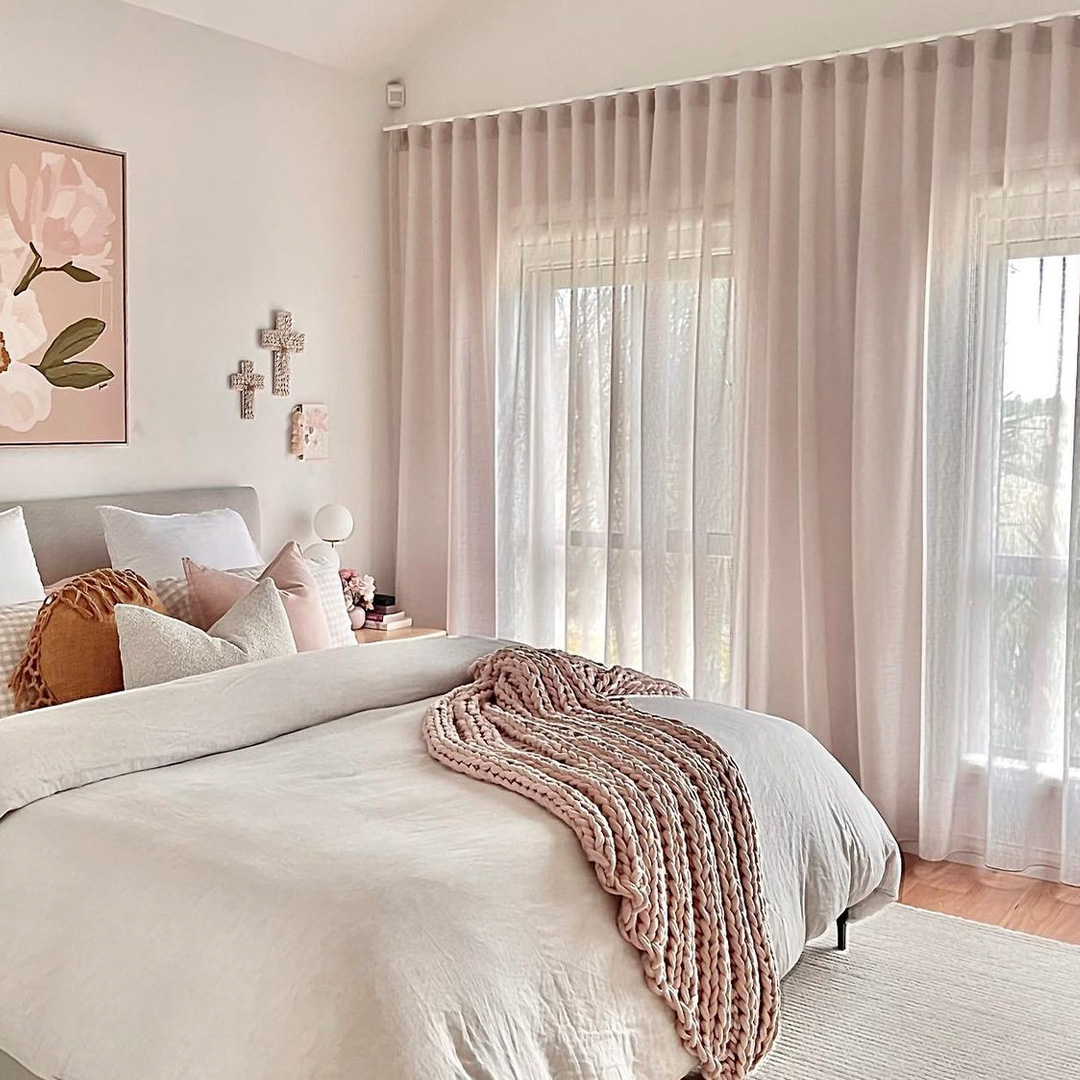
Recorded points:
(66, 533)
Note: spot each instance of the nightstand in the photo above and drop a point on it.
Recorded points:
(410, 633)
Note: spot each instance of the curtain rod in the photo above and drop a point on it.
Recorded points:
(863, 51)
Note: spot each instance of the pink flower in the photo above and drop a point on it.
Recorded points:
(63, 213)
(359, 589)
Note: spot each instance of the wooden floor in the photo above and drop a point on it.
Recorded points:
(993, 896)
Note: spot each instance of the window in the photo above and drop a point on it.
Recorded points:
(1034, 583)
(616, 459)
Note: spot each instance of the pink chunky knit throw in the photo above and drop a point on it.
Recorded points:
(662, 814)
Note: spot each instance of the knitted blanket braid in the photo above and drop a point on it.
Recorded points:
(661, 812)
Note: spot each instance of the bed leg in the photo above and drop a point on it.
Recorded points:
(841, 932)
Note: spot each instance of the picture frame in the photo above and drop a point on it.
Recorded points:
(311, 432)
(64, 366)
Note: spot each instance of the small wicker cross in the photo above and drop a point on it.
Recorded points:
(284, 341)
(247, 382)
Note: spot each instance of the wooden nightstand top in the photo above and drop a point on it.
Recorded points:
(377, 637)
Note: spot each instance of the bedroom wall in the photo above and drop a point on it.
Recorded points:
(506, 55)
(253, 184)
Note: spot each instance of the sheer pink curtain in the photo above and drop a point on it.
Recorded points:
(1001, 733)
(661, 372)
(662, 358)
(831, 202)
(443, 206)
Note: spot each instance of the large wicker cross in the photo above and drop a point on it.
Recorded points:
(284, 341)
(247, 382)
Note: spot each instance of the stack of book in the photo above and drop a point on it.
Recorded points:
(386, 615)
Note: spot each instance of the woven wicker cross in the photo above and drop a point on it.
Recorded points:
(247, 382)
(284, 341)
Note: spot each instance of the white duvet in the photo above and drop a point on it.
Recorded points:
(260, 875)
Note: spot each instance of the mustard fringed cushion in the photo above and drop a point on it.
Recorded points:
(74, 648)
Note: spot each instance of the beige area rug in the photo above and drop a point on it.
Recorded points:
(922, 996)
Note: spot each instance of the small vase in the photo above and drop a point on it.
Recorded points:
(358, 616)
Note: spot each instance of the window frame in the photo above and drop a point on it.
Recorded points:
(566, 273)
(991, 341)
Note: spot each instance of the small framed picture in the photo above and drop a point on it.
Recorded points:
(311, 432)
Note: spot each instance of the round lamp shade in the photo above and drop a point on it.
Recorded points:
(323, 553)
(333, 523)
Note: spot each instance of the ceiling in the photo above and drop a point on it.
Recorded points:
(362, 36)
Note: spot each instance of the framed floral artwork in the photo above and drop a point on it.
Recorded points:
(311, 432)
(63, 296)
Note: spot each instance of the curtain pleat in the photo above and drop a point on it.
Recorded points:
(1000, 773)
(682, 370)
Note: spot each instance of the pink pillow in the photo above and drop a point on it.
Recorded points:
(213, 593)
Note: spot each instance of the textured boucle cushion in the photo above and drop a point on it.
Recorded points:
(73, 651)
(213, 592)
(156, 648)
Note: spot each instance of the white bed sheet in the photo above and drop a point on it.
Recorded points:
(260, 874)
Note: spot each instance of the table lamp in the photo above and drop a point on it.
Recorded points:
(332, 524)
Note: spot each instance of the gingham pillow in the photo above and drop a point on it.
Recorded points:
(333, 602)
(173, 592)
(16, 622)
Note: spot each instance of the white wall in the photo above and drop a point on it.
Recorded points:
(253, 184)
(502, 55)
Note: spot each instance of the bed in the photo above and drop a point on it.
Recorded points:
(261, 874)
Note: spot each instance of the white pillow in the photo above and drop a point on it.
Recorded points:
(156, 648)
(154, 545)
(20, 582)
